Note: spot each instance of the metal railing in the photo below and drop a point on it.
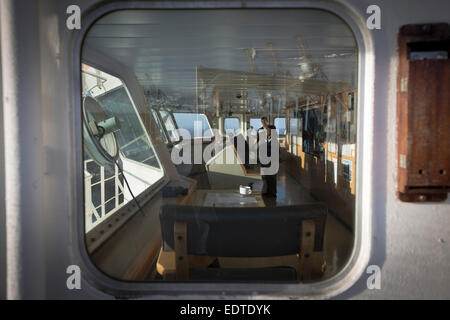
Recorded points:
(94, 215)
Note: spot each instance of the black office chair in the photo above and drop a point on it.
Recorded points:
(244, 232)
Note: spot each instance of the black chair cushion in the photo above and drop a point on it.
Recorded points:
(274, 274)
(243, 232)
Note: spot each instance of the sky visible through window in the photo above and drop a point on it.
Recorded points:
(231, 124)
(255, 123)
(187, 121)
(280, 124)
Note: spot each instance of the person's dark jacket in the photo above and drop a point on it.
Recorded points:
(269, 144)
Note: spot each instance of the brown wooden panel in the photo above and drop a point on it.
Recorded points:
(307, 248)
(423, 114)
(181, 256)
(429, 143)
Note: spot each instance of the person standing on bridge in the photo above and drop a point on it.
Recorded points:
(269, 188)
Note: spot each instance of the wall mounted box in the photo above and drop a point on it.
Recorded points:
(423, 113)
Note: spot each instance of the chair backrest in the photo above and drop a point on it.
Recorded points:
(243, 232)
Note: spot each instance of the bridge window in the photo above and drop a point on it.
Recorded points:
(195, 124)
(160, 126)
(231, 124)
(171, 128)
(112, 125)
(280, 124)
(255, 124)
(297, 67)
(293, 126)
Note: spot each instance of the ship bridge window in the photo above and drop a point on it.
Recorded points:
(170, 126)
(117, 148)
(223, 207)
(280, 124)
(160, 126)
(255, 124)
(195, 125)
(231, 125)
(293, 126)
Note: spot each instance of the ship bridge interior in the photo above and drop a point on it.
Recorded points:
(174, 181)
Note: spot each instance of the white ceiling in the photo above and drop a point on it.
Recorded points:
(164, 47)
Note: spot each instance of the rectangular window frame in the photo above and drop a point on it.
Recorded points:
(365, 147)
(160, 125)
(249, 123)
(207, 120)
(224, 119)
(100, 234)
(294, 137)
(285, 125)
(172, 118)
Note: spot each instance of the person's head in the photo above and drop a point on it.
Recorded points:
(265, 122)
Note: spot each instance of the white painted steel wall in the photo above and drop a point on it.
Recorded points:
(42, 151)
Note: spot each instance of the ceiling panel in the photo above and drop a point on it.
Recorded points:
(164, 47)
